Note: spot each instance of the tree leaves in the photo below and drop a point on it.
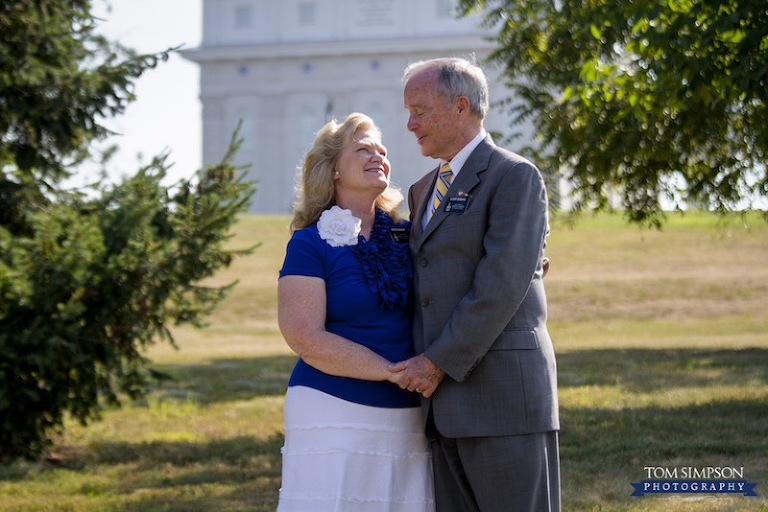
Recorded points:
(666, 97)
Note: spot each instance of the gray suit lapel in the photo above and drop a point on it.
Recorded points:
(421, 204)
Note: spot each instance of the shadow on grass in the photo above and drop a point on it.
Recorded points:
(604, 449)
(232, 452)
(241, 473)
(640, 370)
(226, 380)
(709, 425)
(731, 428)
(636, 370)
(193, 476)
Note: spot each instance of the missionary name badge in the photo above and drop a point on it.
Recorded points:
(457, 204)
(399, 234)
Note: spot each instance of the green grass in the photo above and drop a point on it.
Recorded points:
(662, 342)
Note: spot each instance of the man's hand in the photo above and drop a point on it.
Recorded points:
(418, 374)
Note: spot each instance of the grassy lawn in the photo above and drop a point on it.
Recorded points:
(662, 341)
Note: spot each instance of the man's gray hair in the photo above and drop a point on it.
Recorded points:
(456, 77)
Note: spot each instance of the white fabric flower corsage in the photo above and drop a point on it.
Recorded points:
(339, 227)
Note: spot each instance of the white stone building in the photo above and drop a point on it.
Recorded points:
(285, 67)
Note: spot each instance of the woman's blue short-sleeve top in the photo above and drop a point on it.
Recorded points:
(368, 292)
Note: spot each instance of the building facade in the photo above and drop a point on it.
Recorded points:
(282, 69)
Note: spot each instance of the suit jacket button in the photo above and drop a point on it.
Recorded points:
(424, 303)
(422, 263)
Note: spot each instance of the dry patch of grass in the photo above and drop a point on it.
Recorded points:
(695, 268)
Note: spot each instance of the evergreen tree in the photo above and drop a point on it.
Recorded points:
(89, 277)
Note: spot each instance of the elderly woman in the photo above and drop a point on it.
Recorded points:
(354, 441)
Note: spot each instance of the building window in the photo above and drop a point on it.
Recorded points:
(243, 16)
(307, 13)
(444, 9)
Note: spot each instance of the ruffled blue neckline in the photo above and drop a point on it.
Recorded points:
(385, 263)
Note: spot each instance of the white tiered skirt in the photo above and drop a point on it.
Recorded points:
(341, 456)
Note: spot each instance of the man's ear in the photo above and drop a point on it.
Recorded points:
(462, 104)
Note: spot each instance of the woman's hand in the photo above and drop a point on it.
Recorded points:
(418, 374)
(394, 377)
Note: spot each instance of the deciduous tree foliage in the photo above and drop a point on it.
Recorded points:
(651, 98)
(89, 277)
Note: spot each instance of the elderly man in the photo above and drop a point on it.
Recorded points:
(485, 365)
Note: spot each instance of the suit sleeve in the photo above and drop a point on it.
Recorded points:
(512, 246)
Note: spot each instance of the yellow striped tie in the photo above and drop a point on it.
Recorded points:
(442, 185)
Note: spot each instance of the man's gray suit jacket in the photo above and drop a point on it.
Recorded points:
(480, 309)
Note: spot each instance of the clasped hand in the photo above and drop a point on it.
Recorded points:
(417, 374)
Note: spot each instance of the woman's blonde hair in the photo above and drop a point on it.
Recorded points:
(315, 189)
